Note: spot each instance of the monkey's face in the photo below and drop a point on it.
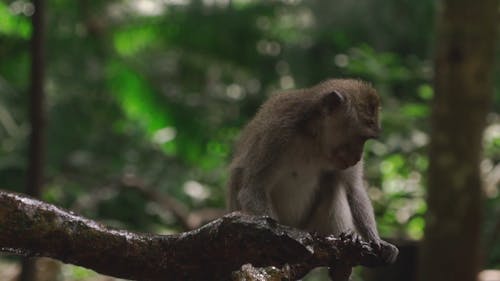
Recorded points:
(346, 150)
(346, 155)
(345, 135)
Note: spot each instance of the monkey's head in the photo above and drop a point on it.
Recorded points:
(350, 117)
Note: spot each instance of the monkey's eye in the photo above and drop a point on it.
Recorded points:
(368, 137)
(363, 139)
(371, 123)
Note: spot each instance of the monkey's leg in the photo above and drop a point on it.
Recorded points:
(341, 272)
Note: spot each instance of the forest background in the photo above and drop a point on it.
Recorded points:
(149, 96)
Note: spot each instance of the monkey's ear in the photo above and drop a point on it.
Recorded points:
(332, 100)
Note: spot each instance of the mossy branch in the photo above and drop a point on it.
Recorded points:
(34, 228)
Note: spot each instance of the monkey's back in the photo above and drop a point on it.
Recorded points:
(271, 128)
(264, 139)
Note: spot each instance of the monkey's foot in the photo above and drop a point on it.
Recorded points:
(352, 238)
(387, 252)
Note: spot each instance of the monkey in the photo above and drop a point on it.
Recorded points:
(300, 160)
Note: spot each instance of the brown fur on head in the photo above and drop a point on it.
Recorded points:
(351, 121)
(358, 101)
(337, 114)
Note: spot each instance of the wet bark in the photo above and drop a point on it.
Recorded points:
(33, 228)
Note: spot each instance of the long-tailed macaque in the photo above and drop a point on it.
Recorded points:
(299, 160)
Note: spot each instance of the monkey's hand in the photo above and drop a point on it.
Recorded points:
(387, 252)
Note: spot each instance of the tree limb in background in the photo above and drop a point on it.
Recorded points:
(33, 228)
(188, 220)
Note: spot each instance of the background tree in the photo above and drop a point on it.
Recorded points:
(36, 162)
(466, 35)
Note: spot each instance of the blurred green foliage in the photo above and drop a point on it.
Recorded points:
(160, 89)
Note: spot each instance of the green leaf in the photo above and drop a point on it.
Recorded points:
(416, 227)
(426, 92)
(13, 25)
(139, 101)
(134, 39)
(415, 110)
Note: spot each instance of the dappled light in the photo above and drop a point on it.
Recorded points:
(144, 101)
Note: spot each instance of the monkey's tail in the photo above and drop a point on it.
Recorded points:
(233, 188)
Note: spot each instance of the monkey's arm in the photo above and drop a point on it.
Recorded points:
(248, 189)
(253, 174)
(363, 216)
(360, 204)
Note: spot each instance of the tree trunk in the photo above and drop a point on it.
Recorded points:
(464, 59)
(37, 120)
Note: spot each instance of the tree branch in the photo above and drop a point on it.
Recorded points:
(33, 228)
(188, 219)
